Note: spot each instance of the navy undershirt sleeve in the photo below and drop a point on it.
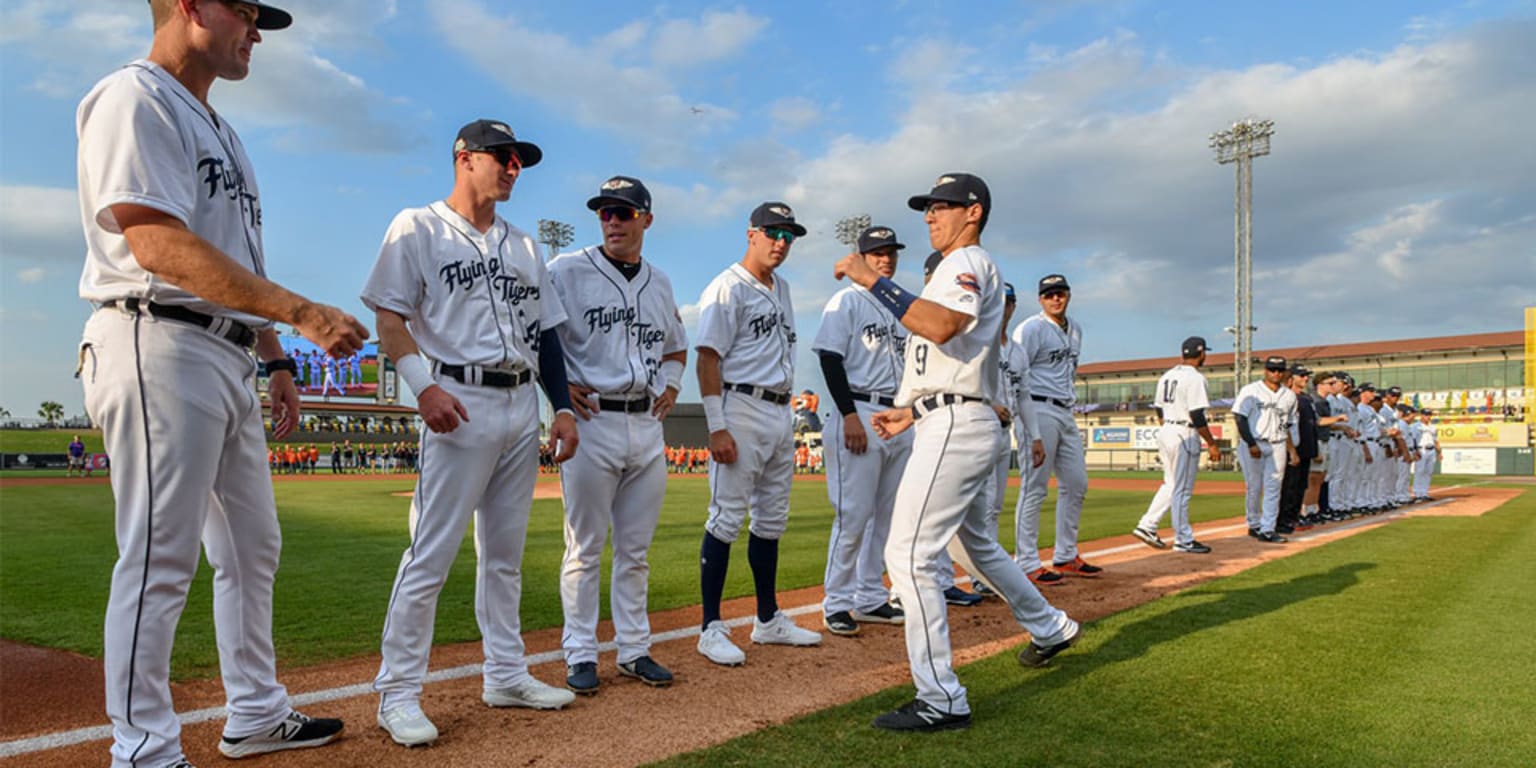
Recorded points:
(837, 382)
(1197, 418)
(1242, 429)
(552, 370)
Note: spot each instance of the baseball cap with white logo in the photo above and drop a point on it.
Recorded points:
(875, 238)
(776, 214)
(961, 188)
(1053, 283)
(1192, 346)
(621, 190)
(482, 135)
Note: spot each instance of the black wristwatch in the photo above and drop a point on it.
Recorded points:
(282, 364)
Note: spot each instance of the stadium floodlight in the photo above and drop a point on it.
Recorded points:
(1240, 144)
(556, 235)
(848, 228)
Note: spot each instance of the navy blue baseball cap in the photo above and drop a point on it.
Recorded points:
(1366, 387)
(875, 238)
(1394, 391)
(1275, 363)
(776, 214)
(961, 188)
(621, 190)
(932, 263)
(484, 135)
(1192, 346)
(1053, 283)
(269, 17)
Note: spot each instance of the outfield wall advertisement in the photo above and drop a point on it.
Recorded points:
(1140, 437)
(1469, 461)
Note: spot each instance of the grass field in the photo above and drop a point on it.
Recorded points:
(342, 544)
(1409, 645)
(48, 440)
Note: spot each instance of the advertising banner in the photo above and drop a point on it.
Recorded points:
(1470, 461)
(1507, 434)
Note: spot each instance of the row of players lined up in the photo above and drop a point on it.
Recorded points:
(368, 458)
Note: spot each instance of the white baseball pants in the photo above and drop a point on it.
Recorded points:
(1423, 470)
(1261, 478)
(616, 480)
(943, 502)
(862, 489)
(181, 420)
(1065, 458)
(484, 469)
(1179, 448)
(758, 483)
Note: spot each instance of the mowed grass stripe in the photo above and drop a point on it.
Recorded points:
(1408, 645)
(342, 543)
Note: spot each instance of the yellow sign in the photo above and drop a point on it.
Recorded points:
(1508, 433)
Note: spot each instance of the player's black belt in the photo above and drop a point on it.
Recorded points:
(624, 406)
(1177, 422)
(233, 332)
(932, 403)
(762, 393)
(865, 397)
(1052, 401)
(1427, 448)
(487, 377)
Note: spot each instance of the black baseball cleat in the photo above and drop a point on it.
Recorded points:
(840, 623)
(884, 613)
(1036, 655)
(1193, 547)
(646, 670)
(296, 731)
(919, 715)
(581, 678)
(1254, 532)
(1270, 537)
(962, 598)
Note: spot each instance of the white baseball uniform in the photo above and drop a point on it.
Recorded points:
(1180, 391)
(752, 327)
(1013, 384)
(1402, 465)
(619, 329)
(943, 497)
(1424, 468)
(178, 409)
(1369, 424)
(862, 487)
(1344, 458)
(480, 301)
(1270, 414)
(1053, 353)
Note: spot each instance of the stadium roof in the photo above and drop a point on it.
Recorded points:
(1466, 343)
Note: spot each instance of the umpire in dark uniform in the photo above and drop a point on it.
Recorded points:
(1293, 485)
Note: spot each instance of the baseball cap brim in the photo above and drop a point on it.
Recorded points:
(270, 18)
(603, 201)
(921, 202)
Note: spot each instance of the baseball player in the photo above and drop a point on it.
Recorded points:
(316, 363)
(746, 367)
(76, 457)
(355, 361)
(948, 385)
(176, 272)
(861, 346)
(1015, 414)
(1325, 385)
(625, 349)
(1399, 469)
(1180, 402)
(1344, 458)
(1264, 411)
(1429, 448)
(1371, 499)
(1303, 434)
(1052, 344)
(457, 285)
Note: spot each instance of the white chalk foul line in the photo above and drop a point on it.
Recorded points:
(99, 732)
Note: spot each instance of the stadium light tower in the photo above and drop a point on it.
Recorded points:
(556, 235)
(1240, 144)
(848, 229)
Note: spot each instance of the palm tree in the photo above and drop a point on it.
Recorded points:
(51, 412)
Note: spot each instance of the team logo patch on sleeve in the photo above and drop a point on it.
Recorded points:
(968, 281)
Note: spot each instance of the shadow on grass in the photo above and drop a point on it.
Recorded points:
(1136, 638)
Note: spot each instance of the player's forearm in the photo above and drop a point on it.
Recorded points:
(171, 252)
(708, 370)
(933, 321)
(268, 346)
(395, 339)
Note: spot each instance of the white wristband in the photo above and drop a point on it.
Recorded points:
(672, 374)
(714, 412)
(413, 370)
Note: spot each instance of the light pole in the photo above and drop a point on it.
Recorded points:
(556, 235)
(1246, 139)
(848, 228)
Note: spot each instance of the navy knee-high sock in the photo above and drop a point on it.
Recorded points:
(714, 557)
(763, 556)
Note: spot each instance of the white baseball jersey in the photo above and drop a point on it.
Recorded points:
(967, 282)
(871, 341)
(1339, 405)
(1427, 436)
(1053, 353)
(146, 140)
(1367, 423)
(1013, 377)
(470, 298)
(1180, 391)
(1270, 414)
(615, 346)
(751, 326)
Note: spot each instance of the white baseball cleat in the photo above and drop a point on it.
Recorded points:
(530, 693)
(715, 643)
(408, 725)
(782, 630)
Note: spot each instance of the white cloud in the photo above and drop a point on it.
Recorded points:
(794, 113)
(33, 275)
(716, 35)
(40, 224)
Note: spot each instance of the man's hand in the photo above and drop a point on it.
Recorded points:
(440, 410)
(1037, 453)
(890, 423)
(722, 447)
(335, 331)
(285, 403)
(853, 267)
(1351, 433)
(1215, 453)
(1253, 450)
(662, 406)
(579, 402)
(1368, 458)
(1292, 458)
(855, 439)
(563, 437)
(1343, 417)
(1003, 416)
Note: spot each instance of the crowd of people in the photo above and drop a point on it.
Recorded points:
(345, 458)
(320, 373)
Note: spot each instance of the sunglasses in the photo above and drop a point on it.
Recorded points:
(506, 156)
(1057, 294)
(941, 205)
(618, 212)
(783, 235)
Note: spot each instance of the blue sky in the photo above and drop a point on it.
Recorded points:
(1400, 199)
